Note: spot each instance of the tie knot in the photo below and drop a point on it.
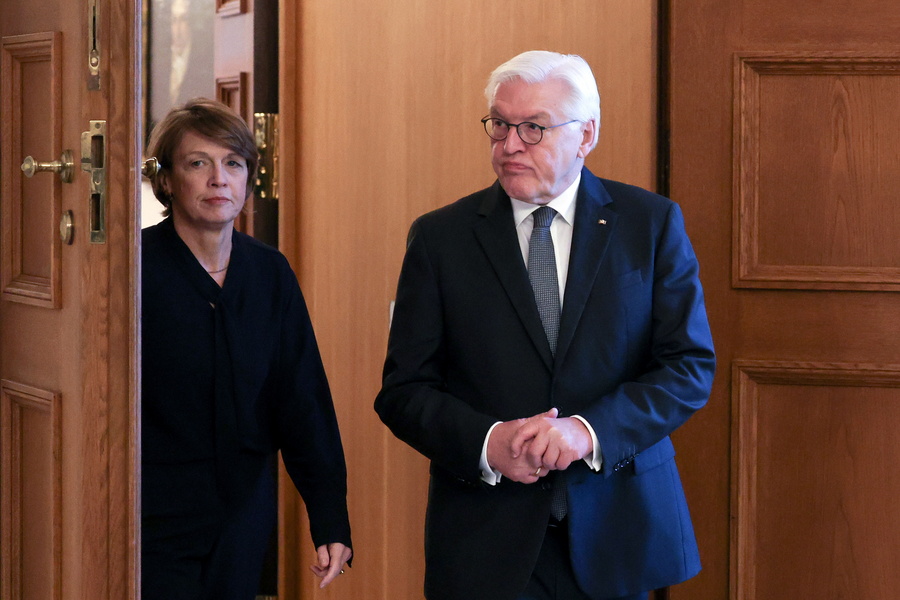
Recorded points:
(543, 216)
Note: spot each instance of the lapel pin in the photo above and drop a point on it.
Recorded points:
(602, 221)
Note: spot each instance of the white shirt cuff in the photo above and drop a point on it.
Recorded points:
(489, 475)
(595, 461)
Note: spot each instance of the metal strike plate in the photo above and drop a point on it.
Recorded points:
(93, 161)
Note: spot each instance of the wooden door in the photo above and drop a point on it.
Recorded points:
(68, 312)
(784, 155)
(246, 79)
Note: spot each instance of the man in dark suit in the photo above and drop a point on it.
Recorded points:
(540, 358)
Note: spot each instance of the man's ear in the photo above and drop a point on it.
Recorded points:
(590, 136)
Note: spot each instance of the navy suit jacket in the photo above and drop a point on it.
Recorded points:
(635, 358)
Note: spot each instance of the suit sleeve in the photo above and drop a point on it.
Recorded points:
(678, 365)
(413, 402)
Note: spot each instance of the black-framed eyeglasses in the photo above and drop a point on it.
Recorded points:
(530, 133)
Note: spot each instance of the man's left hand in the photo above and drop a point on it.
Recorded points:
(554, 442)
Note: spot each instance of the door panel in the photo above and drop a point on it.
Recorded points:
(813, 482)
(68, 309)
(784, 158)
(31, 471)
(815, 168)
(31, 86)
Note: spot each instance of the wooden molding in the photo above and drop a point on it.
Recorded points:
(29, 416)
(30, 269)
(234, 91)
(748, 376)
(749, 270)
(227, 8)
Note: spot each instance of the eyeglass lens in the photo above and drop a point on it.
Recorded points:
(531, 133)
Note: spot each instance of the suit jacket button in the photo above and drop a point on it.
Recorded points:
(545, 485)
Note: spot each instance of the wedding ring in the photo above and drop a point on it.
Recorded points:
(538, 472)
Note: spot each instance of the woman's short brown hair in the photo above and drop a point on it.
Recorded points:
(211, 119)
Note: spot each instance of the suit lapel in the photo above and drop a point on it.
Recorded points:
(496, 233)
(594, 224)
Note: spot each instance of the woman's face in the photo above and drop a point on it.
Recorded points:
(207, 183)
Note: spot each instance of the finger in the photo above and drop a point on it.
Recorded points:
(333, 572)
(537, 449)
(550, 458)
(549, 414)
(338, 557)
(324, 556)
(528, 429)
(523, 435)
(320, 568)
(563, 462)
(340, 554)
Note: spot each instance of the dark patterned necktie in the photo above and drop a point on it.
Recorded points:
(542, 272)
(544, 282)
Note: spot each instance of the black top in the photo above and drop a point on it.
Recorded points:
(232, 374)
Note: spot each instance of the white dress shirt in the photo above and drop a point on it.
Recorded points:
(561, 233)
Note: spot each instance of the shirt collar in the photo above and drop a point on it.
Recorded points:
(564, 204)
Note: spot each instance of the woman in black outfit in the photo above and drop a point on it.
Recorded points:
(231, 374)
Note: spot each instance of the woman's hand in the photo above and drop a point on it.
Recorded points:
(330, 562)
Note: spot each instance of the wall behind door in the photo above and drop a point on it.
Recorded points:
(380, 104)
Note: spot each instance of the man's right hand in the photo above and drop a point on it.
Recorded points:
(516, 466)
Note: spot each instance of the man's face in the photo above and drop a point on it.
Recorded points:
(540, 172)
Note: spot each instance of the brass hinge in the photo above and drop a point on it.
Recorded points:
(266, 131)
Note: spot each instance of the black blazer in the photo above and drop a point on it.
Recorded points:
(231, 375)
(635, 358)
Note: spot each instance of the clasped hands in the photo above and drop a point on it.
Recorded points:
(525, 450)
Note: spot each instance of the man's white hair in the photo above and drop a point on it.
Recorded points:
(537, 66)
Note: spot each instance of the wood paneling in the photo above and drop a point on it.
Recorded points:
(812, 441)
(30, 99)
(816, 146)
(231, 7)
(30, 475)
(234, 91)
(380, 107)
(784, 158)
(78, 447)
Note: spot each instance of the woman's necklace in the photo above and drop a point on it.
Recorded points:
(219, 271)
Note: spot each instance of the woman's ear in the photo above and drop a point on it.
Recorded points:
(163, 181)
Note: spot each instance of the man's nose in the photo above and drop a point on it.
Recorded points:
(513, 142)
